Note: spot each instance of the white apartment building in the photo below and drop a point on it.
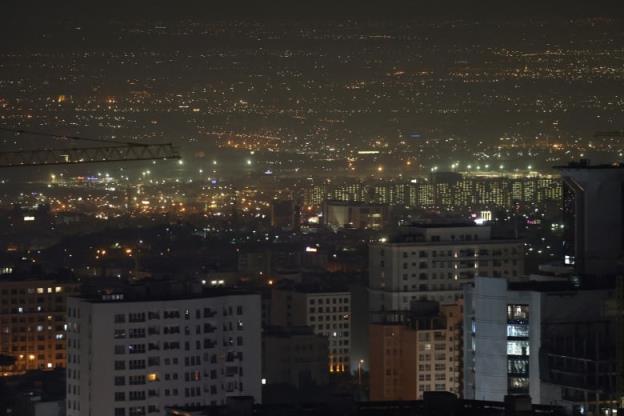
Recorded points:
(501, 341)
(131, 358)
(432, 262)
(542, 338)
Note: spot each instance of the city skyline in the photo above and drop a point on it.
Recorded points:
(278, 207)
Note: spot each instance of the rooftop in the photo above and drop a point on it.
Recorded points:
(433, 403)
(154, 290)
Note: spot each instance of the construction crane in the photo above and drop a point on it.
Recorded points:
(112, 151)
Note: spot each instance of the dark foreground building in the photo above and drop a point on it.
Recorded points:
(433, 404)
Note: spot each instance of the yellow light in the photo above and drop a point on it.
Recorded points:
(152, 377)
(379, 168)
(31, 357)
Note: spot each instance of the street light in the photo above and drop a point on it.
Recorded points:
(360, 363)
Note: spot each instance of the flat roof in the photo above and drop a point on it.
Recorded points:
(134, 296)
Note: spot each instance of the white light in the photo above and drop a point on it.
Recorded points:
(263, 381)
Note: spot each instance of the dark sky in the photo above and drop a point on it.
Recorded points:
(31, 11)
(22, 22)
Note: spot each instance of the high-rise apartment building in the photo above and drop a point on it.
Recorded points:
(326, 311)
(432, 262)
(445, 190)
(32, 322)
(548, 339)
(422, 353)
(137, 355)
(593, 197)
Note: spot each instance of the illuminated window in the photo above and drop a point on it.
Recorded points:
(518, 366)
(152, 377)
(518, 384)
(517, 347)
(517, 312)
(517, 330)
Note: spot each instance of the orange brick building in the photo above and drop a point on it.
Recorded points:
(423, 353)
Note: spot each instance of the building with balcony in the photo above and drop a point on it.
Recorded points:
(131, 354)
(433, 261)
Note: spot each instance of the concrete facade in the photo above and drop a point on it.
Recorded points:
(136, 358)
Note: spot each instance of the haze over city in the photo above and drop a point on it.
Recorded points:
(354, 208)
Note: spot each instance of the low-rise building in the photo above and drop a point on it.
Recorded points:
(295, 356)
